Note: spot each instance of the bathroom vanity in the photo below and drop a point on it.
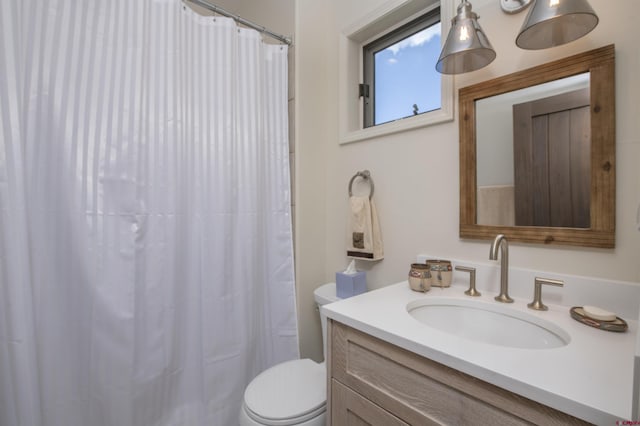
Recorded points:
(386, 367)
(381, 384)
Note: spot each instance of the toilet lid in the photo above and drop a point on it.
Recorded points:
(291, 390)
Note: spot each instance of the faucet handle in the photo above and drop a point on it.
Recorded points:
(472, 280)
(537, 292)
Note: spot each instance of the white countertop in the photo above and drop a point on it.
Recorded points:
(590, 378)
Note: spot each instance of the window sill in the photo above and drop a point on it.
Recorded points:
(402, 125)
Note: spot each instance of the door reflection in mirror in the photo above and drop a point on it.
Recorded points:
(534, 156)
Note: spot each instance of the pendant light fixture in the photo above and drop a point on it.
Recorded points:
(554, 22)
(467, 47)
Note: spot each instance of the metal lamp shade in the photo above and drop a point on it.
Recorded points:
(554, 22)
(467, 47)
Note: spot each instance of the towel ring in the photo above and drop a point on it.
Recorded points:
(366, 175)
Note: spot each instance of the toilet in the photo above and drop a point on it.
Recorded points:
(292, 392)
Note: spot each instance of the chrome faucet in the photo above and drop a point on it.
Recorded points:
(501, 242)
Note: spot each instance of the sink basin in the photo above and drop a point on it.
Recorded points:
(488, 323)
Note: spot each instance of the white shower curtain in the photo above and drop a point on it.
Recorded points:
(146, 265)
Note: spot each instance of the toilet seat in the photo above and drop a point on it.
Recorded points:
(289, 393)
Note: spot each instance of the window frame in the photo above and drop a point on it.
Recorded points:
(369, 50)
(365, 28)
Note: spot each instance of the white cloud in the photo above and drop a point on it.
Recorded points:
(392, 60)
(418, 39)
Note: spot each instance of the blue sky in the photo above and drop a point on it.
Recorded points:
(405, 74)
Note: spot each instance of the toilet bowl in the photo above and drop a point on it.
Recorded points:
(292, 392)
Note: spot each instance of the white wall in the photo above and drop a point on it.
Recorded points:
(416, 172)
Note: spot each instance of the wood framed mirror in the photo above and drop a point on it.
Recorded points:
(560, 175)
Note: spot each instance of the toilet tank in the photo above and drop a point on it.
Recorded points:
(324, 295)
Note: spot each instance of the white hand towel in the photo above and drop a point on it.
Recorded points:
(364, 240)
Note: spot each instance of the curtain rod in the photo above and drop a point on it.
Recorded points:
(260, 28)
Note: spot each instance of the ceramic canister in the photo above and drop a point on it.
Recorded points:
(419, 277)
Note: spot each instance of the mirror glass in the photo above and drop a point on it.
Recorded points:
(533, 145)
(537, 153)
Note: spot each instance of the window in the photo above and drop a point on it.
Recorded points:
(400, 79)
(377, 23)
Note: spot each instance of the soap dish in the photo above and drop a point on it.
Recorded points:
(618, 325)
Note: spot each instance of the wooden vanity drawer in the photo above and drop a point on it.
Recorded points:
(422, 392)
(349, 408)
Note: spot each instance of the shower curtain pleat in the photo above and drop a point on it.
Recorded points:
(18, 351)
(146, 261)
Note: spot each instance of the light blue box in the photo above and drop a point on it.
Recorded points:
(348, 285)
